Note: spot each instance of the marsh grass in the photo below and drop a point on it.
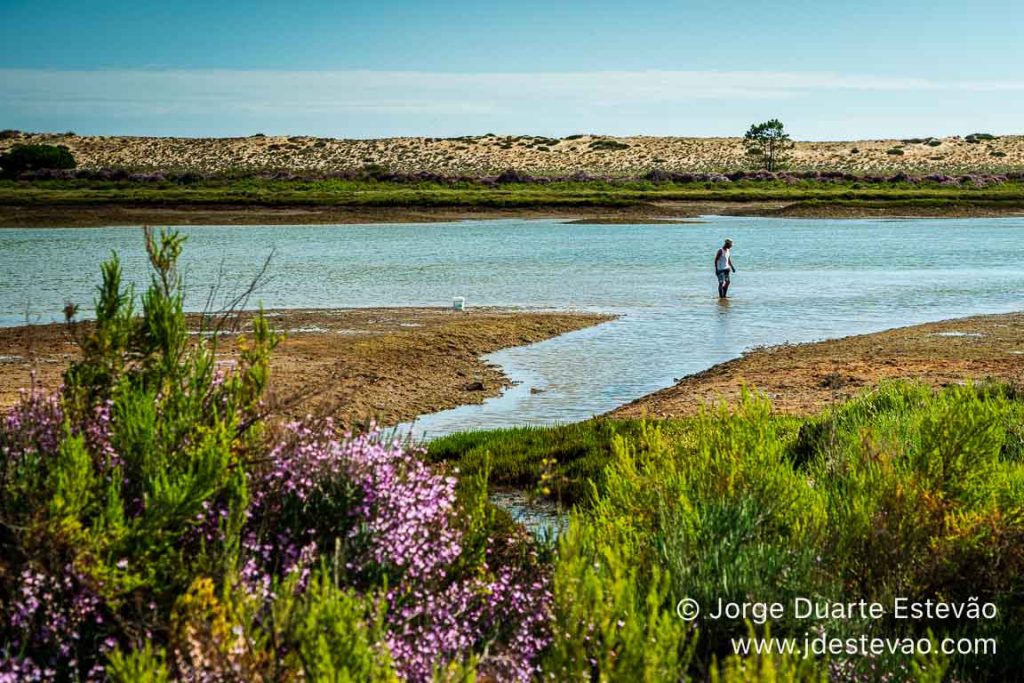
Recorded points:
(568, 461)
(904, 491)
(466, 193)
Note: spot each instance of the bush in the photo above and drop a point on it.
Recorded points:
(24, 158)
(514, 177)
(607, 145)
(894, 151)
(902, 492)
(610, 623)
(153, 523)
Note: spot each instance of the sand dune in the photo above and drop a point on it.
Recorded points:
(483, 155)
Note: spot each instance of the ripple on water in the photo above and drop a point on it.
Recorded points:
(797, 281)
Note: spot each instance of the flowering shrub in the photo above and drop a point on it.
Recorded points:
(153, 526)
(376, 174)
(391, 519)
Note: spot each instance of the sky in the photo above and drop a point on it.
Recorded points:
(829, 69)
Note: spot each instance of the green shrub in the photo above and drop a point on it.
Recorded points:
(608, 623)
(768, 668)
(113, 505)
(21, 158)
(607, 145)
(903, 491)
(144, 665)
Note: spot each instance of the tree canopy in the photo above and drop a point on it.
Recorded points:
(768, 144)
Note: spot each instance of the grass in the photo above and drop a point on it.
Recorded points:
(594, 193)
(904, 492)
(564, 463)
(567, 460)
(901, 492)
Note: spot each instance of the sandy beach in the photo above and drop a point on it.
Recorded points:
(388, 364)
(302, 180)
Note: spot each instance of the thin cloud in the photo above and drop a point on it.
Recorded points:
(381, 103)
(429, 91)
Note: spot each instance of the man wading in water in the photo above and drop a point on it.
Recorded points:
(723, 265)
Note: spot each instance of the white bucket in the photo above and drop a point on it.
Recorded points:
(459, 303)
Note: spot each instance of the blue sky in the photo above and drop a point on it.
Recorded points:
(829, 69)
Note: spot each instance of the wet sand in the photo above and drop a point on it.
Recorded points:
(804, 378)
(676, 211)
(126, 214)
(394, 364)
(391, 364)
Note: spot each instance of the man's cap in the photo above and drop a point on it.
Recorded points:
(729, 242)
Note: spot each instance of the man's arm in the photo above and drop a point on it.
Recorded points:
(730, 264)
(717, 254)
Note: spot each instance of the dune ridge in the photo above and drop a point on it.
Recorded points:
(491, 154)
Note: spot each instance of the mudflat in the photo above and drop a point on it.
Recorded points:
(804, 378)
(128, 214)
(388, 364)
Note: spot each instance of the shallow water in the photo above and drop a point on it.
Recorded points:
(541, 517)
(796, 281)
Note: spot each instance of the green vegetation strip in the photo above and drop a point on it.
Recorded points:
(903, 494)
(257, 192)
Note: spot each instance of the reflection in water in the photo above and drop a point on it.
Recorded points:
(721, 328)
(541, 517)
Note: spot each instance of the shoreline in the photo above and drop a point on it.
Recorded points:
(388, 364)
(117, 214)
(801, 379)
(397, 364)
(121, 215)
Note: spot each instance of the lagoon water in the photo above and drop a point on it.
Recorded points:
(797, 280)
